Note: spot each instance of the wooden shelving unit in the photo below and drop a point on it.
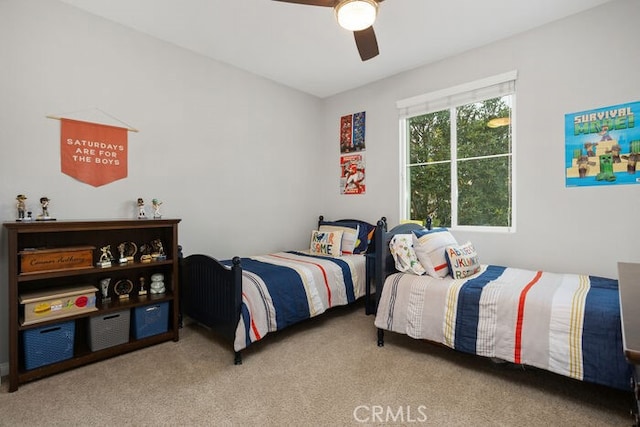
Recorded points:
(63, 234)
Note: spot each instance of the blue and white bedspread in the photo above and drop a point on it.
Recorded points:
(564, 323)
(284, 288)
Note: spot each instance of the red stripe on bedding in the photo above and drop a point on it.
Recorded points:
(523, 297)
(253, 326)
(324, 273)
(440, 267)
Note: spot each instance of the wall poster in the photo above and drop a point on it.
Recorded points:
(352, 166)
(602, 146)
(352, 132)
(353, 173)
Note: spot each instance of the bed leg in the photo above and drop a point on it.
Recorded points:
(380, 338)
(237, 359)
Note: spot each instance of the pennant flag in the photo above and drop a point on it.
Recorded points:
(93, 153)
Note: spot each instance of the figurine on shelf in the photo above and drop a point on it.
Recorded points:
(105, 256)
(44, 204)
(156, 208)
(142, 214)
(22, 206)
(104, 287)
(157, 284)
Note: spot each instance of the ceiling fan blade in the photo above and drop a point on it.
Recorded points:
(325, 3)
(366, 43)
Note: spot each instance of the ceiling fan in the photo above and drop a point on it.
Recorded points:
(354, 15)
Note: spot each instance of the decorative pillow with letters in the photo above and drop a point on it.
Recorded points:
(326, 242)
(462, 260)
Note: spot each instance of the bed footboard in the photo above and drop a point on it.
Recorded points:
(212, 294)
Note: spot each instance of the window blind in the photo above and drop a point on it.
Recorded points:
(467, 93)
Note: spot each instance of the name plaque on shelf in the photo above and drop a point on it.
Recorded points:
(53, 259)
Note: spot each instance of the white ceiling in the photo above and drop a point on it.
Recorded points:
(303, 47)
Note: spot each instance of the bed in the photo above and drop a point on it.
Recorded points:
(244, 299)
(568, 324)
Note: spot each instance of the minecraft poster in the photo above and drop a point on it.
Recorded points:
(602, 146)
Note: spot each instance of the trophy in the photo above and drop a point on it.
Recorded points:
(157, 253)
(121, 248)
(145, 253)
(105, 256)
(142, 290)
(123, 288)
(127, 251)
(104, 287)
(131, 249)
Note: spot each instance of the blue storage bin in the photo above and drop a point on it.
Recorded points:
(48, 344)
(151, 320)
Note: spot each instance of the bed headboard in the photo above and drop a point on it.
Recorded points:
(384, 263)
(372, 244)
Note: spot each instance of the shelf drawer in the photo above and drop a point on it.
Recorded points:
(48, 344)
(109, 330)
(151, 320)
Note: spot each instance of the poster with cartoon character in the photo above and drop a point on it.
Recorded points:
(353, 174)
(602, 146)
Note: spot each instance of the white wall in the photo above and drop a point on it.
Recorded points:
(228, 152)
(587, 61)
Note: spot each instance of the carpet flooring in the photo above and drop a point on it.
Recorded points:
(327, 371)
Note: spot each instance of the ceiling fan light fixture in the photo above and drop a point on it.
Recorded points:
(356, 15)
(499, 122)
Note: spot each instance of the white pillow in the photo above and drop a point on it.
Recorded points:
(326, 242)
(401, 246)
(429, 246)
(462, 260)
(349, 237)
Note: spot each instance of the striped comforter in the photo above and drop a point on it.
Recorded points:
(564, 323)
(284, 288)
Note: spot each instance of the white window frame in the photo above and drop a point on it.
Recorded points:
(478, 90)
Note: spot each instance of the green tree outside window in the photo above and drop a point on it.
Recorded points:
(457, 163)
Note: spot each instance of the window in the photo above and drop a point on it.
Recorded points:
(457, 157)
